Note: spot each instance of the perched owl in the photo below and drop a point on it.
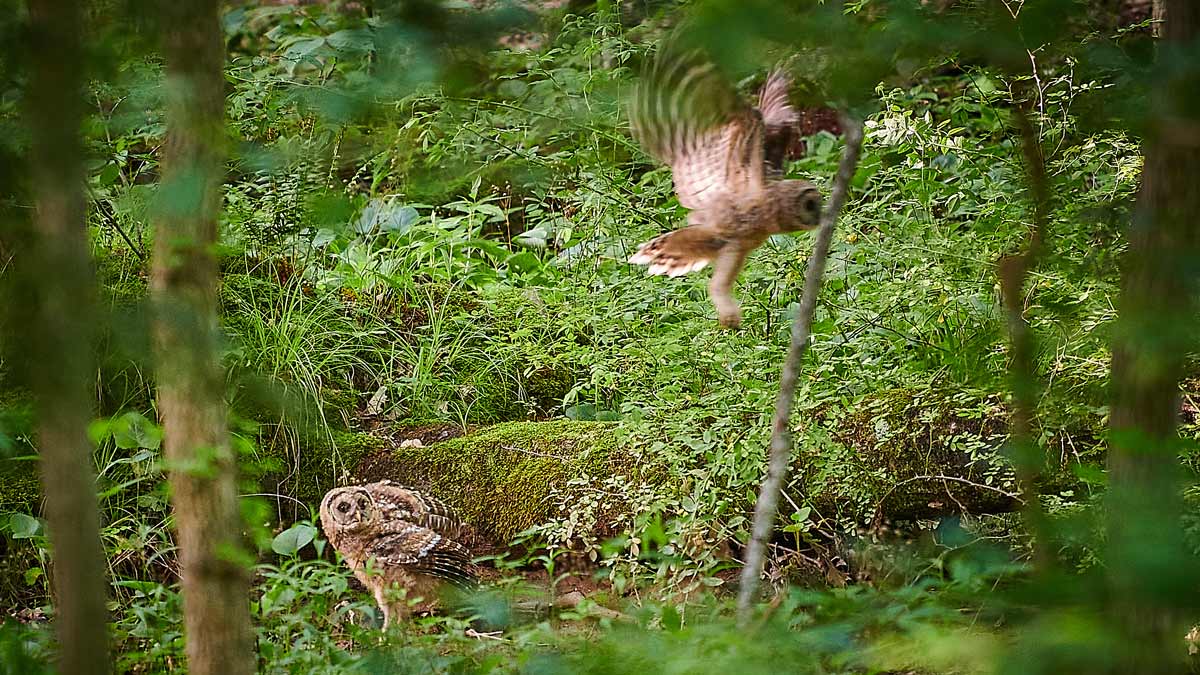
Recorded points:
(726, 158)
(393, 536)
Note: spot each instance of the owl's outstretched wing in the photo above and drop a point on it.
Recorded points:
(779, 120)
(687, 115)
(422, 550)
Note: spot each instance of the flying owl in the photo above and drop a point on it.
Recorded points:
(393, 536)
(726, 159)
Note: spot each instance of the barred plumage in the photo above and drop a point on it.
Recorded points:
(725, 158)
(394, 537)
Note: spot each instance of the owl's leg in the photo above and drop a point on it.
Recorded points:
(385, 606)
(393, 602)
(726, 267)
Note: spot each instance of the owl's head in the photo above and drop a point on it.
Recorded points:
(348, 508)
(801, 201)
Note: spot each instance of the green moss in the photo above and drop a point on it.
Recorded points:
(307, 469)
(20, 489)
(339, 405)
(501, 477)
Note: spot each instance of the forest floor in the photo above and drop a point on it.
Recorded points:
(432, 288)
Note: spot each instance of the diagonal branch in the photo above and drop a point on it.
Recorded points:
(781, 442)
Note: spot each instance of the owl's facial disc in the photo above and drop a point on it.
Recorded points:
(806, 206)
(810, 207)
(352, 508)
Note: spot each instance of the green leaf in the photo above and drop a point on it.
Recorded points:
(524, 262)
(512, 88)
(302, 48)
(32, 575)
(323, 237)
(132, 431)
(291, 540)
(584, 412)
(352, 40)
(491, 248)
(491, 210)
(23, 526)
(671, 620)
(535, 237)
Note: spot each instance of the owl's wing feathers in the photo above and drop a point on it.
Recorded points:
(773, 101)
(422, 550)
(398, 502)
(779, 119)
(687, 115)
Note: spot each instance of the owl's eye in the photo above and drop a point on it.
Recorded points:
(362, 503)
(811, 205)
(344, 507)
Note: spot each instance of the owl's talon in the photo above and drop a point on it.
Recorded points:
(731, 320)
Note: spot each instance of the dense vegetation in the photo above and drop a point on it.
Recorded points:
(422, 277)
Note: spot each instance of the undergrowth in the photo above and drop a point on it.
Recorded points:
(456, 256)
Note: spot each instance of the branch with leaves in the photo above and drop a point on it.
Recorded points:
(780, 455)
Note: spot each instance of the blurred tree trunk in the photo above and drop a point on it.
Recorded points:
(1151, 575)
(191, 383)
(60, 280)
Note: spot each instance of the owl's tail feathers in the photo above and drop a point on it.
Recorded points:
(451, 564)
(677, 253)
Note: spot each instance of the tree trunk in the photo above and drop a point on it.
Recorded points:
(1151, 576)
(60, 351)
(191, 383)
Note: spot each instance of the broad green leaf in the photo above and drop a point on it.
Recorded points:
(291, 540)
(23, 526)
(323, 237)
(352, 40)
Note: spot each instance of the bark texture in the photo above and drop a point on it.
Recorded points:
(1150, 574)
(191, 403)
(60, 364)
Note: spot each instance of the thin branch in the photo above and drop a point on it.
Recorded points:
(110, 216)
(781, 443)
(276, 495)
(1028, 457)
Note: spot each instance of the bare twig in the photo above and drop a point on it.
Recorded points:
(276, 495)
(781, 443)
(109, 215)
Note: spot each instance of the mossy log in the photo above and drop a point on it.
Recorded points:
(20, 489)
(900, 455)
(500, 478)
(909, 454)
